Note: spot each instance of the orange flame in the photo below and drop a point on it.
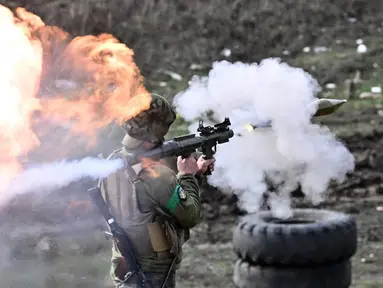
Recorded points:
(83, 84)
(19, 77)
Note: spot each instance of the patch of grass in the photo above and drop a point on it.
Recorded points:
(341, 62)
(66, 271)
(367, 284)
(179, 127)
(364, 103)
(372, 79)
(168, 87)
(313, 60)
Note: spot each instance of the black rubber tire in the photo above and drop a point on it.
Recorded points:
(328, 276)
(329, 237)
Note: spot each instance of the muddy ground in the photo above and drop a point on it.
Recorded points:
(209, 264)
(84, 254)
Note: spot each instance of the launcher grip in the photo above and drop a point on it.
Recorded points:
(209, 153)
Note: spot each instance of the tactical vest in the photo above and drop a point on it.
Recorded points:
(152, 231)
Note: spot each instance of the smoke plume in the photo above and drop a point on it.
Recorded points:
(292, 152)
(45, 177)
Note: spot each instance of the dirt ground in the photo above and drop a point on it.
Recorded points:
(210, 254)
(209, 264)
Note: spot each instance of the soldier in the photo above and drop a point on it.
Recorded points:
(158, 210)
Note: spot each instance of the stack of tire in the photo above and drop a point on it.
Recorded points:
(313, 249)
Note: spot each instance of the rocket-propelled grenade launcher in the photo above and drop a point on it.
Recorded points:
(206, 141)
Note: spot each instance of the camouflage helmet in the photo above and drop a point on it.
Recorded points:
(151, 124)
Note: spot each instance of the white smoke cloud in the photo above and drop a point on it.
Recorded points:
(45, 177)
(291, 152)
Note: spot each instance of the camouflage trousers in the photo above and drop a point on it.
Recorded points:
(155, 281)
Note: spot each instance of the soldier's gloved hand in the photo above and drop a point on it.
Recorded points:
(187, 165)
(203, 164)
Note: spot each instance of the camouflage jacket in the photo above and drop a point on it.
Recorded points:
(177, 195)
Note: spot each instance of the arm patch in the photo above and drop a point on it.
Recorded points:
(178, 195)
(182, 194)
